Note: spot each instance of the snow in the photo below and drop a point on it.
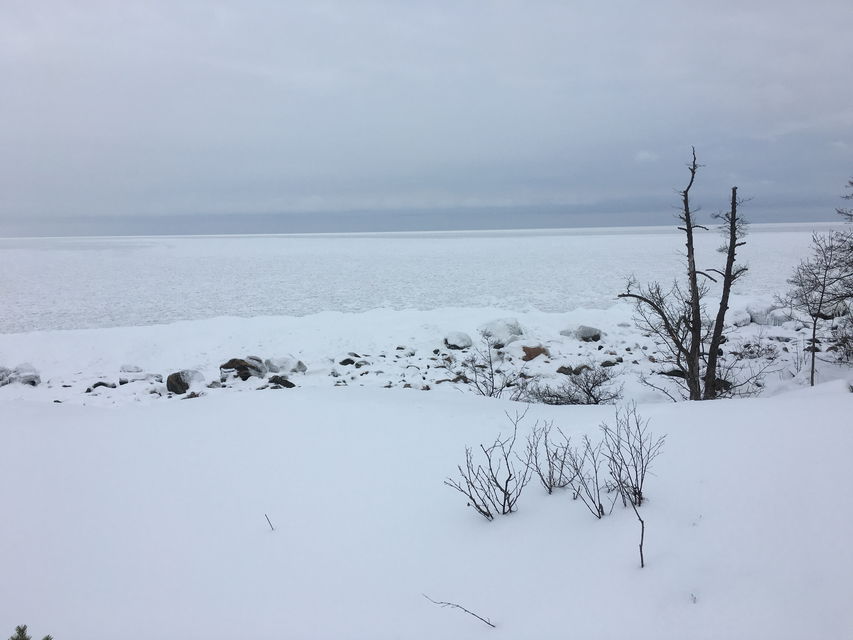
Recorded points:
(132, 513)
(151, 519)
(76, 283)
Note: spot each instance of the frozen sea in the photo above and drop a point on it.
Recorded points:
(77, 283)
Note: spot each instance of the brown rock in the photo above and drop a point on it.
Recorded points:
(533, 352)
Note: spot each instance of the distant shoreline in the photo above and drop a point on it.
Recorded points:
(798, 226)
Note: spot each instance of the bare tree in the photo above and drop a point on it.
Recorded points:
(494, 485)
(847, 212)
(817, 286)
(676, 316)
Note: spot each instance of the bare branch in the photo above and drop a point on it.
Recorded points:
(453, 605)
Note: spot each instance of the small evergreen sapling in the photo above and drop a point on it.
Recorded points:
(21, 634)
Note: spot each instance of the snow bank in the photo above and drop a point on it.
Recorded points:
(150, 519)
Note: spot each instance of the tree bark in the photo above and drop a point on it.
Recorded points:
(729, 277)
(694, 350)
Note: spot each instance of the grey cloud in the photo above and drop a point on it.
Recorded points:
(164, 108)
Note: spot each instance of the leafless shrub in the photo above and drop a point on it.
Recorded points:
(588, 480)
(486, 371)
(592, 385)
(494, 484)
(549, 459)
(630, 448)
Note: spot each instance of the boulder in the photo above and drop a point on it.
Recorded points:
(534, 352)
(129, 377)
(180, 381)
(281, 381)
(285, 364)
(130, 368)
(759, 312)
(243, 368)
(101, 383)
(566, 371)
(738, 317)
(457, 340)
(502, 331)
(588, 334)
(778, 317)
(22, 374)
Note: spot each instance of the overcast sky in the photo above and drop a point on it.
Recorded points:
(165, 107)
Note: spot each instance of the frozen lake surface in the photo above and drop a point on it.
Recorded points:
(76, 283)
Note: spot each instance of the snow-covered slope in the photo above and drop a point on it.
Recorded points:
(149, 521)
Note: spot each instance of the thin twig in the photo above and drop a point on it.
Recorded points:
(272, 528)
(453, 605)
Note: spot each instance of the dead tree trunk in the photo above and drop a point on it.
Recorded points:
(729, 275)
(695, 321)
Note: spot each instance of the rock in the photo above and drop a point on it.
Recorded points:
(778, 317)
(608, 363)
(180, 381)
(502, 331)
(346, 362)
(285, 364)
(281, 381)
(534, 352)
(243, 368)
(566, 371)
(130, 368)
(457, 340)
(761, 313)
(721, 385)
(140, 377)
(738, 317)
(588, 334)
(674, 373)
(101, 383)
(581, 368)
(22, 374)
(215, 385)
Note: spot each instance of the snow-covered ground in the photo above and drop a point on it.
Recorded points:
(149, 521)
(134, 513)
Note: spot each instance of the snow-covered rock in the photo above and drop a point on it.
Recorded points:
(130, 368)
(22, 374)
(759, 312)
(181, 381)
(778, 317)
(285, 364)
(502, 331)
(583, 333)
(738, 317)
(457, 340)
(243, 368)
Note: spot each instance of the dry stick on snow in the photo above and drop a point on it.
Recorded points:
(272, 528)
(642, 533)
(453, 605)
